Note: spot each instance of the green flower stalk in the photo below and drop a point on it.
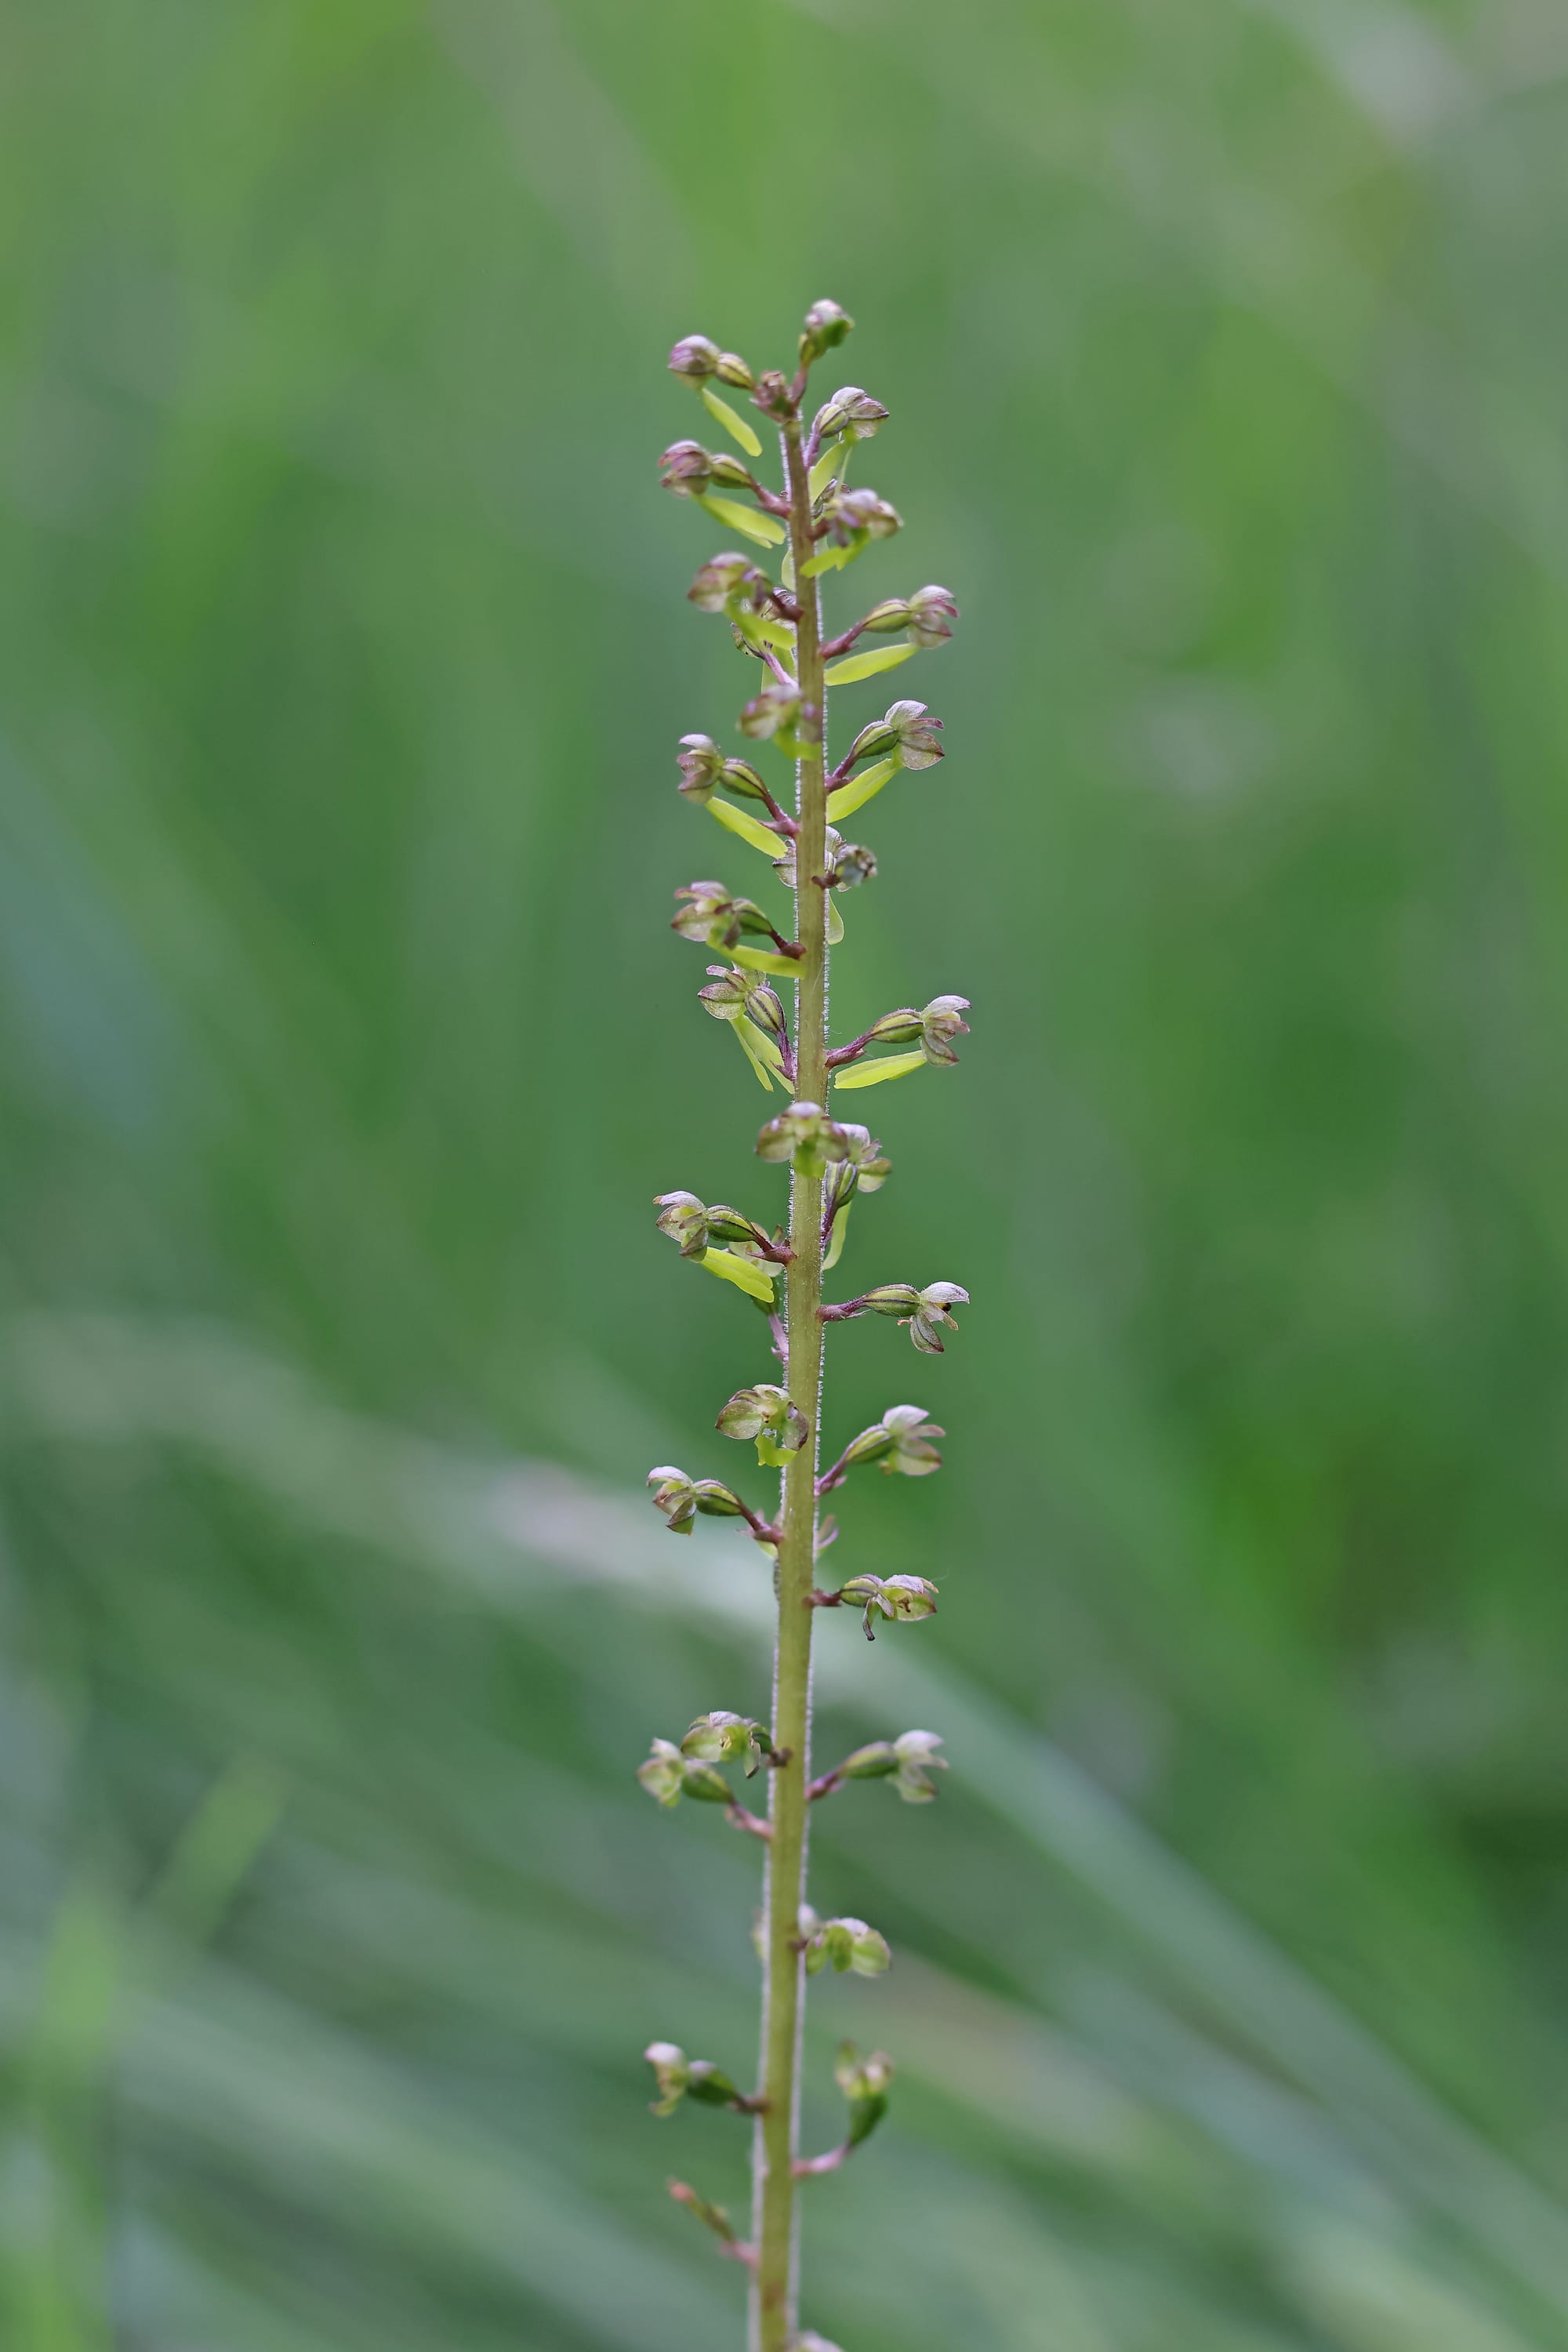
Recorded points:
(814, 525)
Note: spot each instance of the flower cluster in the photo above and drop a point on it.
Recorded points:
(814, 525)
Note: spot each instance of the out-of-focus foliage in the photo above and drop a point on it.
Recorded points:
(343, 654)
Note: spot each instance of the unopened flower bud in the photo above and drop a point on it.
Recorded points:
(725, 579)
(842, 1944)
(865, 2082)
(728, 471)
(694, 357)
(850, 413)
(906, 729)
(826, 327)
(899, 1441)
(933, 612)
(804, 1134)
(714, 2217)
(777, 705)
(685, 467)
(771, 395)
(731, 369)
(852, 865)
(765, 1412)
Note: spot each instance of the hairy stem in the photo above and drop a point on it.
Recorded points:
(772, 2296)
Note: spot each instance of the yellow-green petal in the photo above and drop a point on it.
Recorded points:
(845, 673)
(835, 1245)
(742, 1272)
(749, 828)
(735, 426)
(832, 930)
(859, 790)
(871, 1074)
(748, 520)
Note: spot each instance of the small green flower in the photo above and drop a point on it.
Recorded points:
(908, 1761)
(805, 1135)
(864, 2083)
(865, 1169)
(842, 1944)
(713, 919)
(933, 612)
(851, 865)
(928, 615)
(933, 1027)
(775, 709)
(907, 731)
(846, 512)
(724, 1739)
(899, 1441)
(704, 769)
(902, 1600)
(671, 2073)
(680, 2077)
(766, 1415)
(680, 1498)
(934, 1301)
(916, 1752)
(727, 581)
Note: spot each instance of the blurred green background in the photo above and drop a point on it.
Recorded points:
(343, 652)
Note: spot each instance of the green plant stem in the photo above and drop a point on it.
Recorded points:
(777, 2139)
